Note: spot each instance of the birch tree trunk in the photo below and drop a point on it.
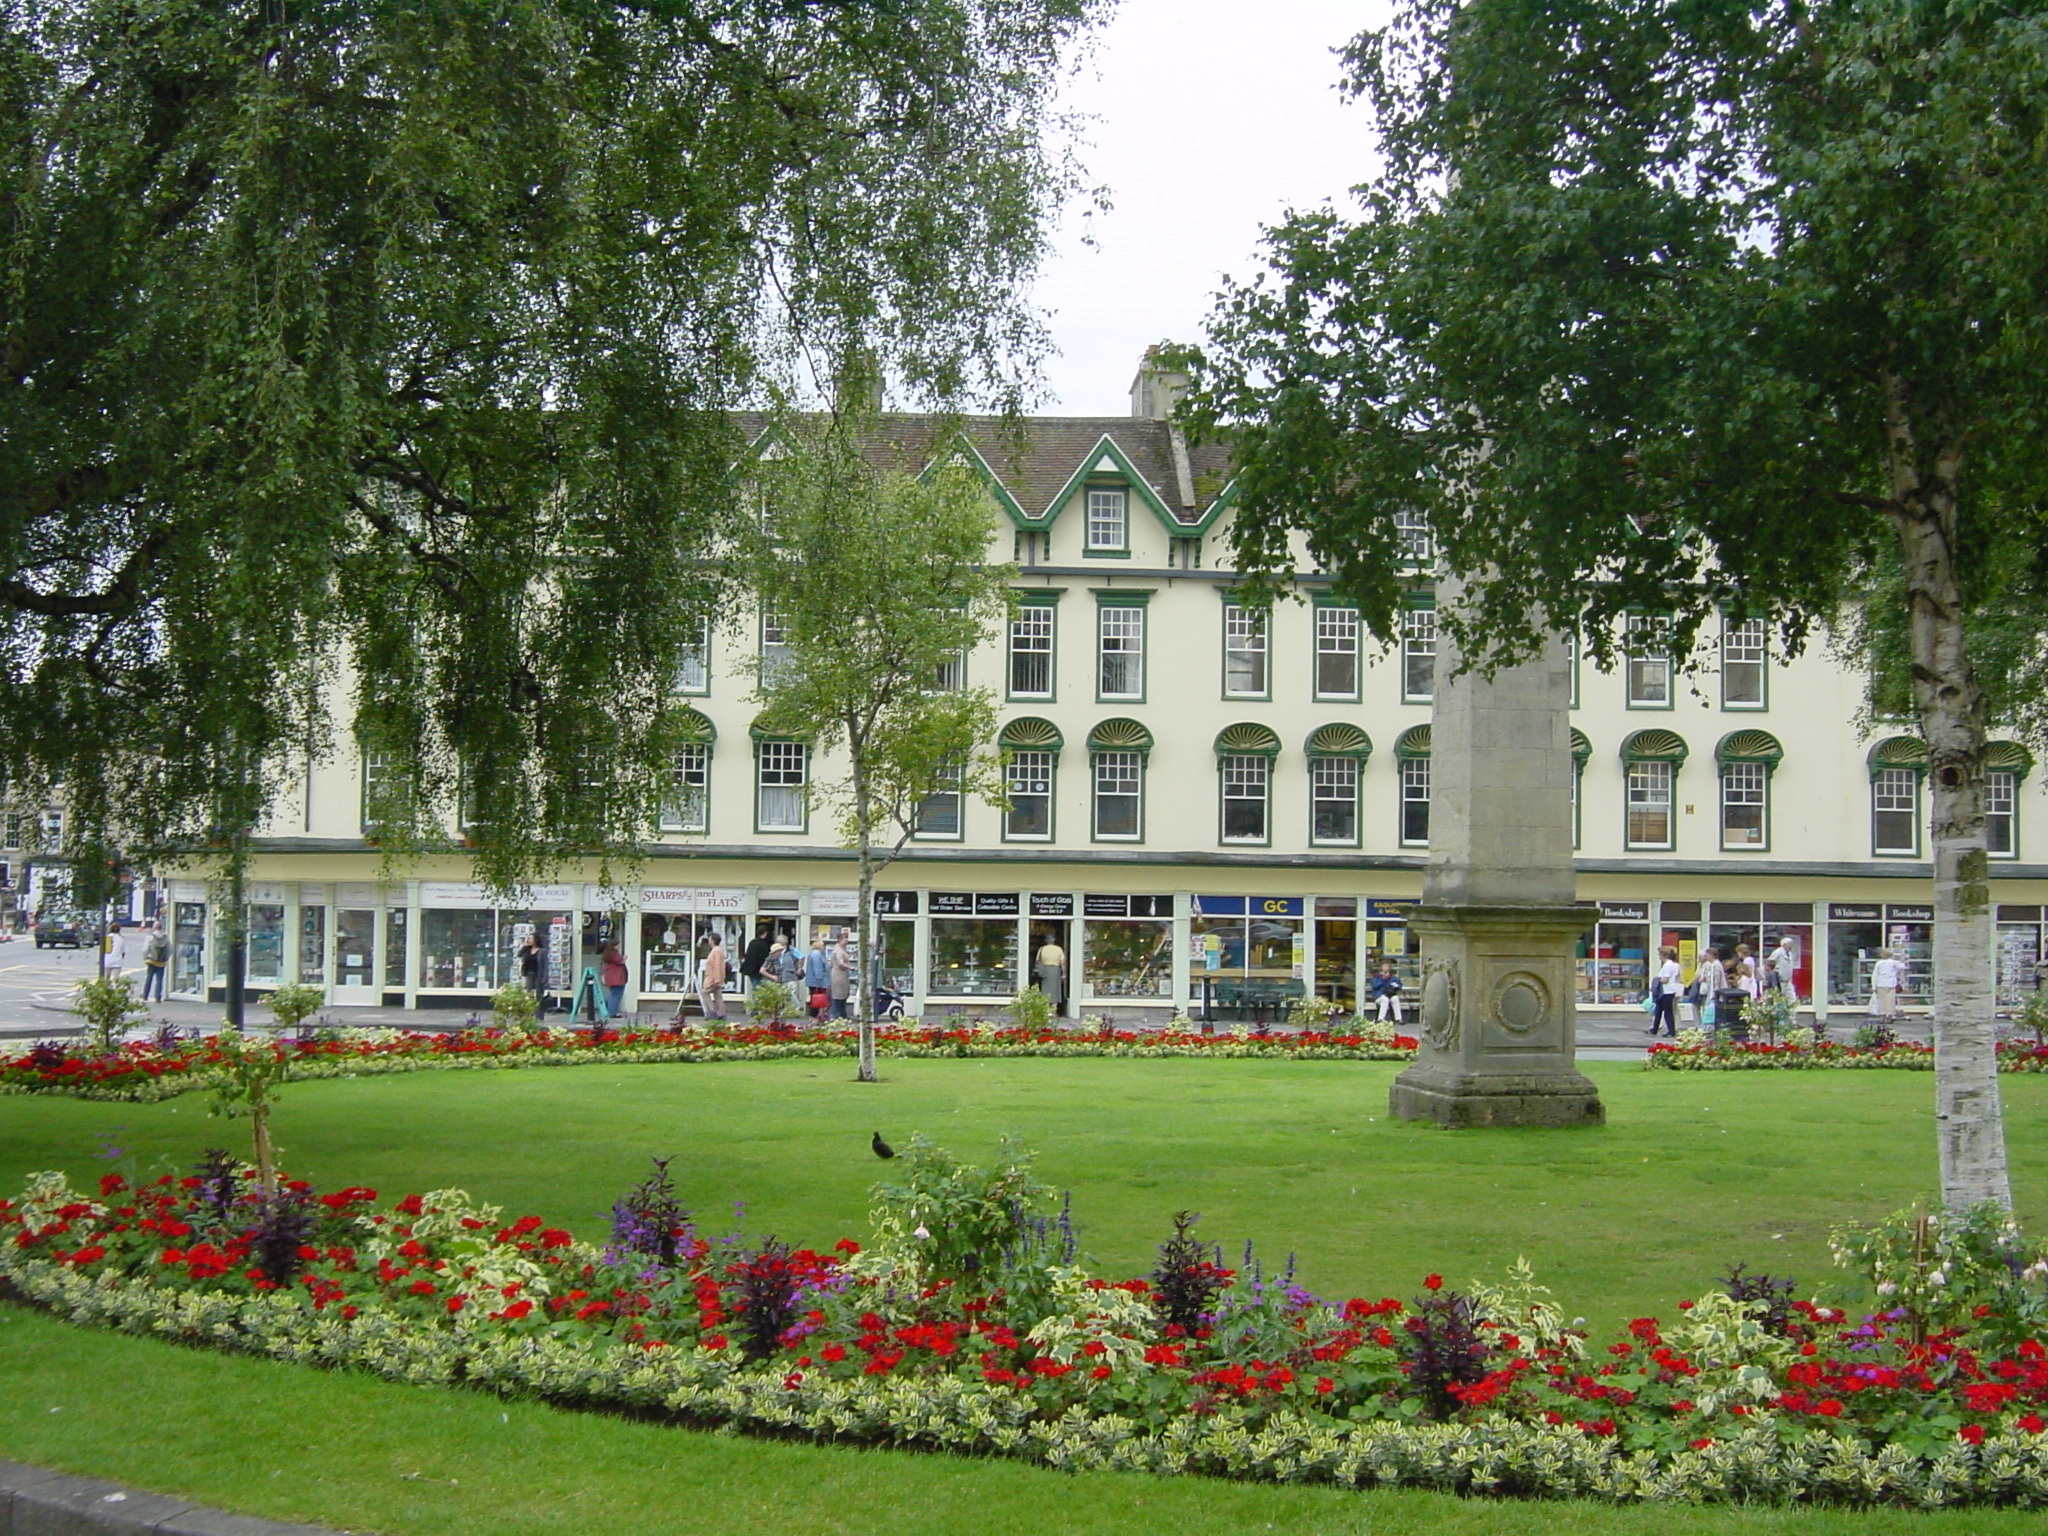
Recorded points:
(857, 992)
(1969, 1122)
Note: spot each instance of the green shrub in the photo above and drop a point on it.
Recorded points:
(771, 1001)
(293, 1005)
(512, 1008)
(1031, 1010)
(109, 1007)
(948, 1220)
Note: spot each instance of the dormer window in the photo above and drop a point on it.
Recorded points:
(1109, 519)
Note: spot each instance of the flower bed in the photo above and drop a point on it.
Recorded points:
(1198, 1368)
(1757, 1056)
(151, 1070)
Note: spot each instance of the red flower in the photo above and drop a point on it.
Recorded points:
(1971, 1434)
(833, 1353)
(1433, 1282)
(2032, 1423)
(1830, 1408)
(411, 1205)
(1703, 1442)
(1325, 1386)
(1100, 1373)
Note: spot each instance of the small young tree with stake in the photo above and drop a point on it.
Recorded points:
(881, 582)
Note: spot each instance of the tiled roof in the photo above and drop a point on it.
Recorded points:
(1036, 457)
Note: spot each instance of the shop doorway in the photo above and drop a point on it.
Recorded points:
(1054, 979)
(355, 958)
(1337, 952)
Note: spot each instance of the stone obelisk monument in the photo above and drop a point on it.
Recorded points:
(1497, 919)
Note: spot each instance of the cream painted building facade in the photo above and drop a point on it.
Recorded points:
(1213, 807)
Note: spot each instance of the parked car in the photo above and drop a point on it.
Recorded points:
(66, 929)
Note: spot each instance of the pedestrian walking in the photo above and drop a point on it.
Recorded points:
(1887, 976)
(533, 972)
(156, 958)
(1051, 965)
(1664, 990)
(818, 978)
(839, 966)
(712, 977)
(613, 973)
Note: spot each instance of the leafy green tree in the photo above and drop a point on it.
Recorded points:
(386, 353)
(1668, 308)
(882, 583)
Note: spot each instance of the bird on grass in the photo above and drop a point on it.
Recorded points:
(882, 1148)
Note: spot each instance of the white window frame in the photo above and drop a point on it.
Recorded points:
(1030, 773)
(689, 808)
(775, 653)
(2002, 805)
(1247, 640)
(951, 676)
(1646, 663)
(1337, 631)
(376, 766)
(935, 804)
(693, 669)
(1745, 653)
(1746, 787)
(1414, 792)
(1120, 634)
(1333, 781)
(1650, 784)
(1109, 519)
(1117, 775)
(1418, 655)
(1895, 791)
(1244, 780)
(781, 766)
(1032, 629)
(1418, 542)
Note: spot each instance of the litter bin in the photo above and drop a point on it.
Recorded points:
(1728, 1020)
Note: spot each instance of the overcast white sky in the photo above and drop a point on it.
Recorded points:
(1213, 118)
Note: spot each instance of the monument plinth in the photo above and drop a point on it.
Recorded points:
(1497, 1013)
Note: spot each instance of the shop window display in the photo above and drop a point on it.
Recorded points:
(1128, 958)
(2018, 955)
(188, 946)
(394, 947)
(553, 928)
(313, 945)
(899, 955)
(457, 950)
(1337, 950)
(973, 957)
(266, 945)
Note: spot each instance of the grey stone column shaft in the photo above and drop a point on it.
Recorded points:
(1497, 920)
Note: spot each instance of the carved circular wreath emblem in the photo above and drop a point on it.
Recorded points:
(1440, 1003)
(1522, 1003)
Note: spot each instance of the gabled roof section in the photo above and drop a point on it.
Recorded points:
(1105, 458)
(963, 451)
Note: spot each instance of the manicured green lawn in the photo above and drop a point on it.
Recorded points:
(1691, 1173)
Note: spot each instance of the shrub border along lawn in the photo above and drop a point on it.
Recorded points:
(1749, 1465)
(1758, 1056)
(145, 1072)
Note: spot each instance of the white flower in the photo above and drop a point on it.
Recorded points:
(1887, 1289)
(921, 1234)
(1937, 1278)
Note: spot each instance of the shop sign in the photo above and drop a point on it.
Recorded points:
(1113, 906)
(953, 903)
(1053, 906)
(266, 892)
(1894, 914)
(1233, 906)
(188, 890)
(350, 894)
(898, 903)
(1397, 910)
(663, 898)
(834, 904)
(603, 898)
(1853, 912)
(549, 897)
(1299, 956)
(452, 893)
(1624, 911)
(313, 894)
(998, 904)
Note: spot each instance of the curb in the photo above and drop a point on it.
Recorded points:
(35, 1502)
